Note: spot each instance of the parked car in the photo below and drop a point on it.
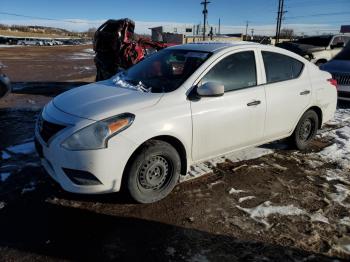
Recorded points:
(28, 42)
(318, 49)
(5, 84)
(48, 43)
(339, 67)
(145, 126)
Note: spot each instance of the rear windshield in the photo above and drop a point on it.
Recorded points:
(316, 40)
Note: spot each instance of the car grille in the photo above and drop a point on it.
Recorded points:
(343, 94)
(48, 129)
(342, 79)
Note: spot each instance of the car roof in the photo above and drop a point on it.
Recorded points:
(212, 46)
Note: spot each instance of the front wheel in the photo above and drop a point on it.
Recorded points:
(154, 172)
(305, 131)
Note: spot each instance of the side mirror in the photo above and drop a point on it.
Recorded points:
(211, 89)
(338, 45)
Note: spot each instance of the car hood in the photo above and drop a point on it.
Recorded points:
(300, 49)
(337, 66)
(104, 99)
(310, 48)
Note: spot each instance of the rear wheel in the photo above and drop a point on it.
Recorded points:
(5, 85)
(154, 172)
(305, 131)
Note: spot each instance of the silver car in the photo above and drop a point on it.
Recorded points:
(339, 67)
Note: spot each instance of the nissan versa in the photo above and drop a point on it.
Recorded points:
(144, 127)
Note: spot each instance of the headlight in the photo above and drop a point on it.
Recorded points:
(96, 136)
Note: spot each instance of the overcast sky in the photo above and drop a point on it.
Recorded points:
(308, 16)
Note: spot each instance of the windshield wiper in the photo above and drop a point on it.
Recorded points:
(126, 83)
(143, 87)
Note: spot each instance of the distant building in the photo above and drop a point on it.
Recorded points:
(159, 31)
(345, 29)
(180, 34)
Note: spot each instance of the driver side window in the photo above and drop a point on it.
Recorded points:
(236, 71)
(337, 40)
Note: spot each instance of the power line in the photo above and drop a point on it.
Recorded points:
(317, 15)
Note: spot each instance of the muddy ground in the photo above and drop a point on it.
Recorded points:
(282, 206)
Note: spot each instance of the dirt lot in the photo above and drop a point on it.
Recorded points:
(262, 204)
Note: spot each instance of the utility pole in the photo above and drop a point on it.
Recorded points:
(205, 15)
(252, 30)
(219, 27)
(280, 14)
(246, 30)
(278, 21)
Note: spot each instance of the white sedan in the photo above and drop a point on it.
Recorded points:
(143, 128)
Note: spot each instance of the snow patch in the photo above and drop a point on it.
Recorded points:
(319, 217)
(345, 221)
(235, 191)
(340, 116)
(261, 212)
(170, 251)
(335, 175)
(242, 199)
(206, 167)
(344, 244)
(89, 50)
(26, 148)
(4, 176)
(28, 188)
(342, 193)
(198, 258)
(279, 167)
(314, 163)
(249, 153)
(338, 152)
(5, 155)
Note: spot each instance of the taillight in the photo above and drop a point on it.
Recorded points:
(333, 82)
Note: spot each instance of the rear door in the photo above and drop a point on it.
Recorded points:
(236, 119)
(288, 93)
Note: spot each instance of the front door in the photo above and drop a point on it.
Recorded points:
(234, 120)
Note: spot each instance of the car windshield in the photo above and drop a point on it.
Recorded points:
(163, 71)
(344, 54)
(316, 40)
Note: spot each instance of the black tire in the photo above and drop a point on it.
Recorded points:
(305, 130)
(153, 172)
(5, 86)
(320, 62)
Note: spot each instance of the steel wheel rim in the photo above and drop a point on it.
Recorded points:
(155, 174)
(306, 129)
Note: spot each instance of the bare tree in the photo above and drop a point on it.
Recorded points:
(90, 32)
(287, 33)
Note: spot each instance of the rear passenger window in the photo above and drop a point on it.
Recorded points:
(280, 67)
(235, 72)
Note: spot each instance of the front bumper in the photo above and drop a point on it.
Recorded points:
(107, 164)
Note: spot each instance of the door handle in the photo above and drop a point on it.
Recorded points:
(306, 92)
(254, 103)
